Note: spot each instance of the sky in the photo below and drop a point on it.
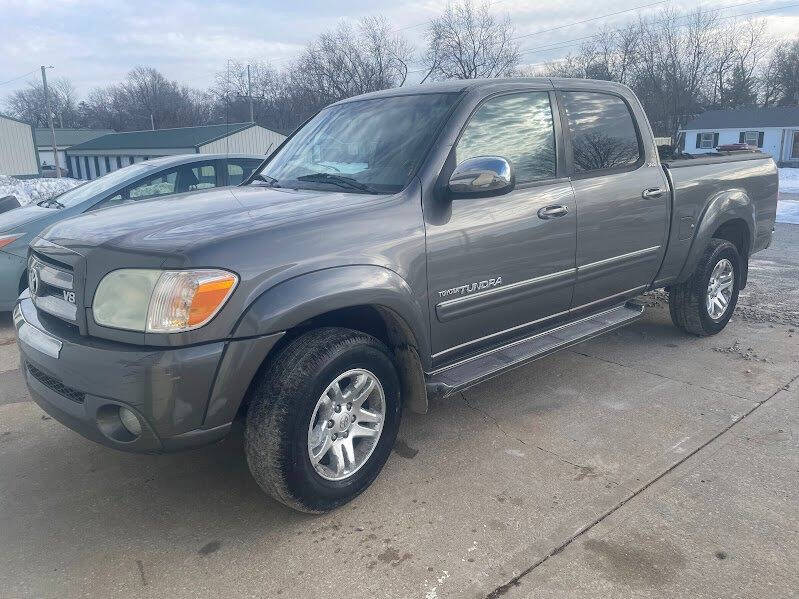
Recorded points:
(96, 42)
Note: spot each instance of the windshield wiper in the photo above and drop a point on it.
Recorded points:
(50, 202)
(339, 180)
(266, 179)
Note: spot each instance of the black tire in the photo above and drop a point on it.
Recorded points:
(687, 301)
(282, 404)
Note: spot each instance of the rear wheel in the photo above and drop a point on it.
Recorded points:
(703, 305)
(323, 418)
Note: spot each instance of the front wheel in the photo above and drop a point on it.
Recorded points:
(703, 305)
(323, 419)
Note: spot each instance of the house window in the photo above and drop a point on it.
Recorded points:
(751, 138)
(706, 141)
(119, 161)
(795, 150)
(86, 167)
(107, 164)
(97, 166)
(76, 162)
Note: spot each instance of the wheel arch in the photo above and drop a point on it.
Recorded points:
(729, 215)
(370, 299)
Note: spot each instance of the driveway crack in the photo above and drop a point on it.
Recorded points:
(516, 580)
(490, 418)
(584, 469)
(657, 374)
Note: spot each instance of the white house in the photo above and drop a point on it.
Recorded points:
(18, 156)
(108, 153)
(64, 139)
(775, 130)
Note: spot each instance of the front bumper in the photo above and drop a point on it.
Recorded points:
(183, 397)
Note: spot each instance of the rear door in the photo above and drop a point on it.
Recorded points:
(500, 266)
(621, 195)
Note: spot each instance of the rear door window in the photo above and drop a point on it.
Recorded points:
(197, 176)
(239, 170)
(158, 185)
(517, 127)
(602, 130)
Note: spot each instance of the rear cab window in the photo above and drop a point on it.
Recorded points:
(602, 131)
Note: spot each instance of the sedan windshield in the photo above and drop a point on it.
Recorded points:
(364, 146)
(76, 195)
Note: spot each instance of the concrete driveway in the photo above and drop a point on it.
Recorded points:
(645, 463)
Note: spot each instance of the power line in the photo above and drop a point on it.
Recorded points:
(567, 43)
(557, 45)
(612, 14)
(17, 78)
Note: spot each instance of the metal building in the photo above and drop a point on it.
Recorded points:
(18, 156)
(108, 153)
(64, 139)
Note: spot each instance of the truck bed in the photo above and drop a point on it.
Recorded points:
(745, 183)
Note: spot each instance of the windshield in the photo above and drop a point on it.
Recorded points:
(361, 146)
(77, 195)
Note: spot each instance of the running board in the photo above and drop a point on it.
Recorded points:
(479, 368)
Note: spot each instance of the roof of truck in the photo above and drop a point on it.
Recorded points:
(460, 85)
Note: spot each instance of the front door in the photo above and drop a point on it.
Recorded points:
(502, 265)
(622, 199)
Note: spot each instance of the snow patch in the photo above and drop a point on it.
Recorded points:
(789, 180)
(29, 191)
(788, 212)
(788, 209)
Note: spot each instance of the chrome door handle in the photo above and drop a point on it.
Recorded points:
(548, 212)
(652, 192)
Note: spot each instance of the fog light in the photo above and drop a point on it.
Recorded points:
(130, 421)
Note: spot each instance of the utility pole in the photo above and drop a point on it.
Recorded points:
(249, 94)
(50, 121)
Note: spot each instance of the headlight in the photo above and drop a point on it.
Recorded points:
(161, 301)
(9, 239)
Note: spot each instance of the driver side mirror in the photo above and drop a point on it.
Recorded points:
(482, 176)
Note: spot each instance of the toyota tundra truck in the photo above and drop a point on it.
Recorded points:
(399, 246)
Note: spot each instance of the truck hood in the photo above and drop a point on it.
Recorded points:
(177, 223)
(19, 217)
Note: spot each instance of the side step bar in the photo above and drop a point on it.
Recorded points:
(476, 369)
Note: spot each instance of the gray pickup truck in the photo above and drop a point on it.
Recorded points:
(400, 245)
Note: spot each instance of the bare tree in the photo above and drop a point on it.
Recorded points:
(780, 78)
(468, 42)
(678, 64)
(350, 60)
(145, 98)
(28, 104)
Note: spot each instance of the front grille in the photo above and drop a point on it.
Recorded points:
(52, 287)
(56, 385)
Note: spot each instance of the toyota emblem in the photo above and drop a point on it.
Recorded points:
(33, 280)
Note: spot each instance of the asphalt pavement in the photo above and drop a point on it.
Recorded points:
(645, 463)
